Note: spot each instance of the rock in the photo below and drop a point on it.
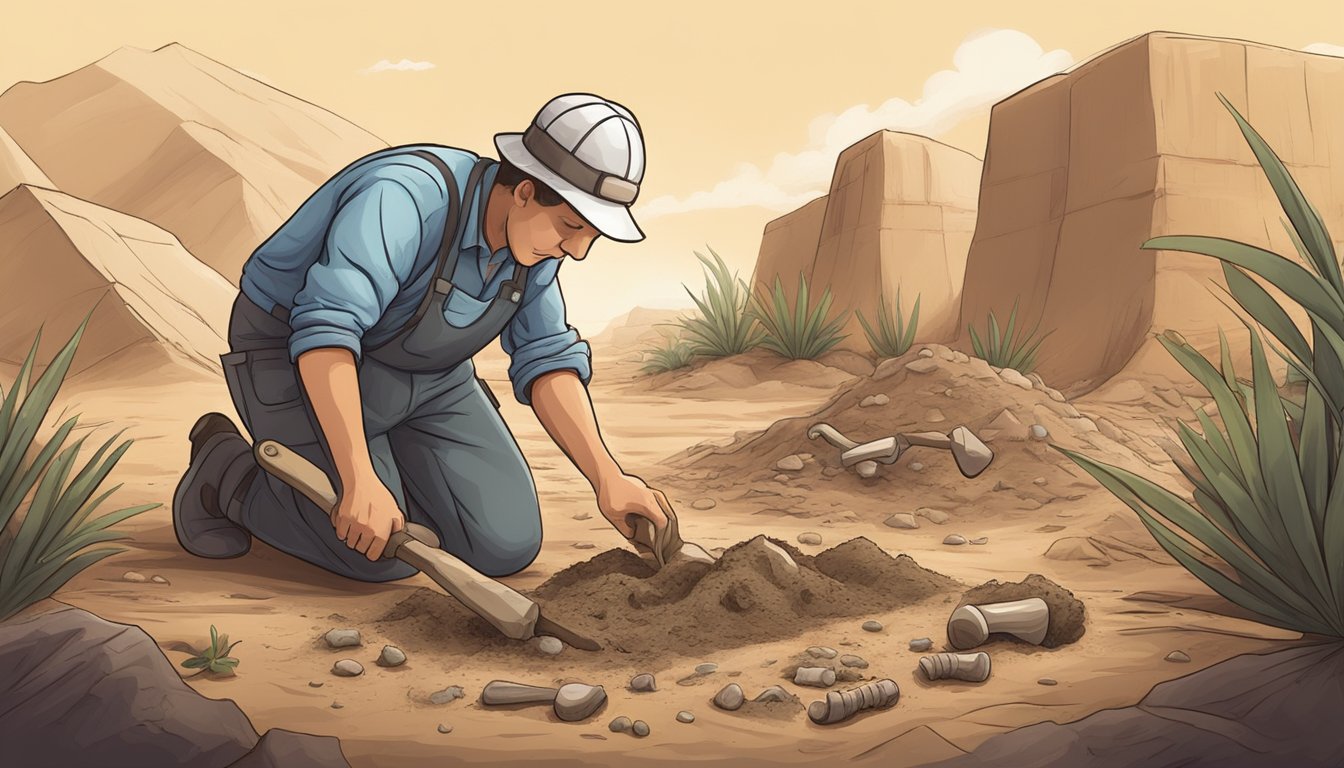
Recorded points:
(134, 577)
(866, 402)
(916, 466)
(960, 357)
(856, 662)
(790, 463)
(643, 683)
(583, 516)
(1011, 376)
(685, 717)
(619, 725)
(1056, 395)
(901, 520)
(703, 504)
(922, 365)
(1180, 657)
(1081, 424)
(773, 694)
(831, 471)
(822, 652)
(881, 399)
(782, 478)
(447, 695)
(954, 539)
(809, 538)
(157, 579)
(1038, 432)
(347, 668)
(1036, 381)
(866, 469)
(315, 684)
(1047, 681)
(980, 540)
(1002, 486)
(391, 656)
(1110, 431)
(445, 728)
(640, 728)
(921, 644)
(926, 352)
(337, 705)
(1039, 481)
(343, 638)
(935, 516)
(708, 668)
(934, 416)
(730, 698)
(584, 545)
(872, 626)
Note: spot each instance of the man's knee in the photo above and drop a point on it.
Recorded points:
(510, 539)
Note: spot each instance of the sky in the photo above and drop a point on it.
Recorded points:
(744, 105)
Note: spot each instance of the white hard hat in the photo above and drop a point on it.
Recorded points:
(590, 151)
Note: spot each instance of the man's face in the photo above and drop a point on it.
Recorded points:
(536, 232)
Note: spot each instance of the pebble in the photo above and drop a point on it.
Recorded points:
(1180, 657)
(867, 402)
(730, 698)
(809, 538)
(790, 463)
(872, 626)
(685, 717)
(926, 352)
(315, 684)
(336, 705)
(639, 728)
(643, 683)
(954, 539)
(347, 668)
(708, 668)
(703, 504)
(134, 577)
(343, 638)
(902, 520)
(445, 728)
(921, 644)
(980, 540)
(866, 469)
(392, 656)
(1002, 486)
(1038, 432)
(781, 478)
(935, 516)
(549, 645)
(1015, 378)
(1039, 481)
(856, 662)
(619, 725)
(157, 579)
(773, 693)
(822, 652)
(922, 365)
(1047, 681)
(916, 466)
(881, 399)
(934, 416)
(831, 471)
(582, 516)
(449, 694)
(584, 545)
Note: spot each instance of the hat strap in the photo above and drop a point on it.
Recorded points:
(607, 186)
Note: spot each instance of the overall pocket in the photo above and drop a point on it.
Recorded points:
(268, 395)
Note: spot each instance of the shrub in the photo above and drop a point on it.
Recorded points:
(800, 331)
(894, 334)
(724, 326)
(1266, 530)
(46, 545)
(1009, 347)
(674, 354)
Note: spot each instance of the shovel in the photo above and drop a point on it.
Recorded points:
(508, 611)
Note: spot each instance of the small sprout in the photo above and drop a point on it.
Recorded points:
(216, 658)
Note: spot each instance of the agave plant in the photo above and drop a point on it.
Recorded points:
(894, 334)
(216, 658)
(724, 326)
(800, 331)
(1009, 347)
(1266, 530)
(47, 544)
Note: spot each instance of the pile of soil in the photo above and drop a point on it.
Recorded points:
(1067, 613)
(759, 590)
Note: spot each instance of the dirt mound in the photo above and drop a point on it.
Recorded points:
(1067, 613)
(759, 590)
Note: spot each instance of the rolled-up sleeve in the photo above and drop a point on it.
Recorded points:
(370, 250)
(539, 341)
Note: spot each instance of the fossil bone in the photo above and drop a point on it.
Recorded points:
(970, 453)
(820, 677)
(842, 705)
(571, 703)
(971, 667)
(971, 625)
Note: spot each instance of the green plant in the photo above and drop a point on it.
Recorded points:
(724, 326)
(1009, 347)
(216, 658)
(674, 354)
(1266, 530)
(801, 331)
(894, 334)
(43, 547)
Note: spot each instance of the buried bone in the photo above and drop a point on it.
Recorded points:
(971, 625)
(842, 705)
(817, 677)
(972, 456)
(970, 667)
(572, 702)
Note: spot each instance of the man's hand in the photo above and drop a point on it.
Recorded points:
(620, 495)
(366, 515)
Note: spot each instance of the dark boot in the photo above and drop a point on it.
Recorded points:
(198, 511)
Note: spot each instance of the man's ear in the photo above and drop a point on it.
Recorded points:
(524, 193)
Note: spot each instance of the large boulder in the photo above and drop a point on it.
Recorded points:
(81, 691)
(16, 167)
(1082, 168)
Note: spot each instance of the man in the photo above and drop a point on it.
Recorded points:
(351, 343)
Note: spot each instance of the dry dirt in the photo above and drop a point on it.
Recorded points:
(735, 615)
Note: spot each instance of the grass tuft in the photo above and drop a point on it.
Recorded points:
(798, 331)
(724, 325)
(1007, 347)
(894, 334)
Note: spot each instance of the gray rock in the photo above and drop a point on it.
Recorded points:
(856, 662)
(935, 516)
(790, 463)
(343, 638)
(1038, 432)
(730, 698)
(954, 539)
(921, 644)
(703, 504)
(447, 695)
(822, 652)
(643, 683)
(134, 577)
(866, 469)
(619, 725)
(903, 520)
(347, 668)
(392, 656)
(809, 538)
(980, 540)
(1180, 657)
(1047, 681)
(922, 365)
(445, 728)
(157, 579)
(685, 717)
(872, 626)
(772, 694)
(708, 668)
(549, 645)
(639, 728)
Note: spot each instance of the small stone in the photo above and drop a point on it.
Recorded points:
(157, 579)
(773, 693)
(343, 638)
(392, 656)
(347, 668)
(1002, 486)
(935, 516)
(980, 540)
(549, 645)
(857, 662)
(703, 504)
(730, 698)
(781, 478)
(922, 365)
(926, 352)
(639, 728)
(445, 728)
(708, 668)
(867, 402)
(822, 652)
(831, 471)
(447, 695)
(619, 725)
(643, 683)
(810, 538)
(582, 516)
(934, 416)
(685, 717)
(336, 705)
(916, 466)
(1056, 395)
(901, 520)
(1038, 432)
(866, 469)
(954, 539)
(584, 545)
(1039, 481)
(872, 626)
(315, 684)
(1180, 657)
(1047, 681)
(921, 644)
(1015, 378)
(881, 399)
(790, 463)
(768, 662)
(134, 577)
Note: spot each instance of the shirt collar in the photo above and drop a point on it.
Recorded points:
(473, 235)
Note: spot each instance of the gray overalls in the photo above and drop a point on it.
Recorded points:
(435, 435)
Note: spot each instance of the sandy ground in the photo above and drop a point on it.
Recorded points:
(280, 607)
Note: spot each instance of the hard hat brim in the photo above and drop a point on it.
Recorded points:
(613, 220)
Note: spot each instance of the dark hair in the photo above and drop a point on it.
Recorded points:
(509, 176)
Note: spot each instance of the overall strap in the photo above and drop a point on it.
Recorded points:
(453, 227)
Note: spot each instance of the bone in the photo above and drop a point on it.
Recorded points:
(819, 677)
(571, 703)
(831, 435)
(884, 450)
(971, 625)
(972, 456)
(500, 692)
(970, 667)
(839, 706)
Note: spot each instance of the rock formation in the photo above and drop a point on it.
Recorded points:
(16, 167)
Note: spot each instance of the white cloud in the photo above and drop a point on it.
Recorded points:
(405, 65)
(987, 65)
(1329, 49)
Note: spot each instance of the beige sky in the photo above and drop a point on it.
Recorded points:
(714, 84)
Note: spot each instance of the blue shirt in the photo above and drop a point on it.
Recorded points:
(355, 259)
